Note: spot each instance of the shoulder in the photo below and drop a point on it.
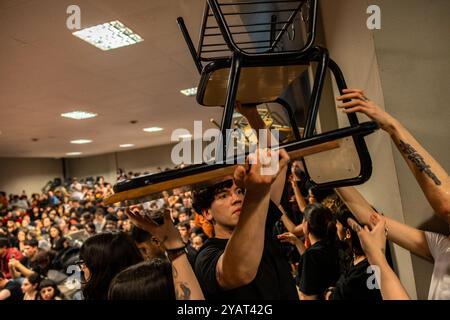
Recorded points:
(437, 242)
(212, 249)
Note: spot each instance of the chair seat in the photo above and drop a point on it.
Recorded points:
(257, 84)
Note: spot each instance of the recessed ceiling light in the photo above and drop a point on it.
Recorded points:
(81, 141)
(189, 92)
(73, 153)
(108, 36)
(153, 129)
(79, 115)
(126, 145)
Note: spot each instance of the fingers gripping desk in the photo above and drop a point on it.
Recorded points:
(243, 55)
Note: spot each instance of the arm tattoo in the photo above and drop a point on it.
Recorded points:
(418, 160)
(182, 291)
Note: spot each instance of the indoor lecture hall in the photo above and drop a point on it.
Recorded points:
(249, 153)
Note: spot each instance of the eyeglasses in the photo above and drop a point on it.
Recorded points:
(81, 264)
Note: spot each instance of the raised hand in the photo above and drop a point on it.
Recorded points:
(360, 103)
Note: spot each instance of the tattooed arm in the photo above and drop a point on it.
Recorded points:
(186, 284)
(184, 279)
(432, 178)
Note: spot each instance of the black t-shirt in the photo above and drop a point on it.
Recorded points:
(318, 269)
(273, 280)
(353, 284)
(14, 288)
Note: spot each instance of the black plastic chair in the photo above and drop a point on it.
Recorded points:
(253, 73)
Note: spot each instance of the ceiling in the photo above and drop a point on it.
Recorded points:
(46, 71)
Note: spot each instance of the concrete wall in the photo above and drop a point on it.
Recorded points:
(352, 46)
(413, 53)
(29, 174)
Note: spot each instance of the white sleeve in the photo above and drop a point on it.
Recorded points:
(435, 241)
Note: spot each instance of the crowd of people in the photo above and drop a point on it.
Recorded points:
(248, 236)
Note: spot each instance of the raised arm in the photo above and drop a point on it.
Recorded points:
(250, 112)
(240, 261)
(373, 243)
(290, 226)
(405, 236)
(184, 279)
(432, 178)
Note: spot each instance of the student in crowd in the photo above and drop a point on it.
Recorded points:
(102, 257)
(9, 289)
(373, 242)
(243, 260)
(319, 264)
(433, 180)
(26, 265)
(30, 286)
(198, 241)
(149, 245)
(48, 290)
(56, 239)
(354, 280)
(160, 279)
(6, 254)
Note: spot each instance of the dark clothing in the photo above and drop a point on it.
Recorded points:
(191, 255)
(273, 279)
(318, 269)
(16, 292)
(353, 284)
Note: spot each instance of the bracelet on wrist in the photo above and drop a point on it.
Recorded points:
(172, 254)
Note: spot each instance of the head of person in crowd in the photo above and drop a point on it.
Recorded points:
(220, 204)
(47, 223)
(184, 227)
(316, 195)
(4, 245)
(55, 233)
(346, 234)
(332, 202)
(149, 246)
(30, 248)
(30, 286)
(148, 280)
(22, 235)
(90, 228)
(85, 218)
(195, 231)
(102, 257)
(183, 216)
(198, 241)
(48, 290)
(111, 222)
(319, 223)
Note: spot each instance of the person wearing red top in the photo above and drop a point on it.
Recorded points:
(6, 254)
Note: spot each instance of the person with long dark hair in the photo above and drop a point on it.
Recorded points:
(319, 264)
(102, 257)
(354, 282)
(30, 286)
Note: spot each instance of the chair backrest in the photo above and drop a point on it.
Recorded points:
(254, 27)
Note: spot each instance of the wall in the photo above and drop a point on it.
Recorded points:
(29, 174)
(413, 52)
(138, 160)
(352, 46)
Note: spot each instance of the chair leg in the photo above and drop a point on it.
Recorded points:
(233, 85)
(316, 93)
